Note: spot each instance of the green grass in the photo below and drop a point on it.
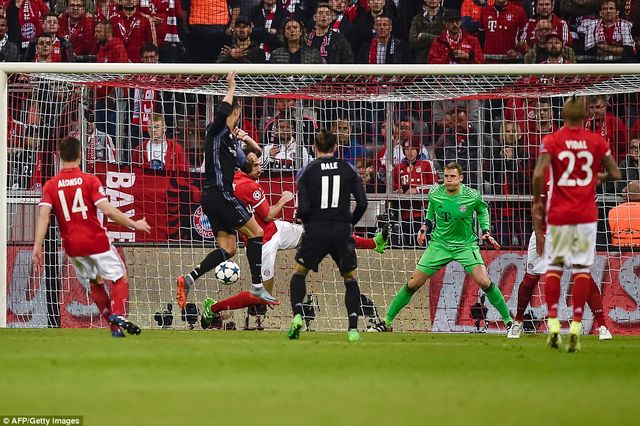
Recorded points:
(261, 378)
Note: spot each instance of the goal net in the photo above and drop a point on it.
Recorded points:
(142, 129)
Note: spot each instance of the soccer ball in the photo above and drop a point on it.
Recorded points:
(227, 272)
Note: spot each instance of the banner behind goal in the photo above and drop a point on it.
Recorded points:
(491, 120)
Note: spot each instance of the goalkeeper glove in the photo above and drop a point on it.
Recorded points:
(425, 232)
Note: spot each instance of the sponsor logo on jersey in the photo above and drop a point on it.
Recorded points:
(463, 208)
(201, 223)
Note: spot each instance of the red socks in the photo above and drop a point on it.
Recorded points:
(581, 288)
(238, 301)
(552, 291)
(525, 292)
(594, 300)
(119, 296)
(99, 296)
(364, 243)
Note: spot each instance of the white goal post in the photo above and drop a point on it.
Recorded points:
(387, 85)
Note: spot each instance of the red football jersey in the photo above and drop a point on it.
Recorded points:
(576, 158)
(73, 196)
(251, 193)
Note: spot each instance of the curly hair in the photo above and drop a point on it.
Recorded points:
(303, 31)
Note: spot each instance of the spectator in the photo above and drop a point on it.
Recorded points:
(384, 48)
(412, 176)
(402, 134)
(348, 147)
(99, 147)
(164, 15)
(624, 219)
(43, 48)
(61, 50)
(341, 22)
(507, 172)
(243, 49)
(425, 28)
(78, 28)
(24, 19)
(25, 162)
(267, 17)
(542, 126)
(555, 50)
(333, 47)
(630, 166)
(608, 38)
(454, 46)
(9, 49)
(463, 145)
(544, 11)
(373, 181)
(500, 26)
(538, 53)
(449, 107)
(470, 11)
(612, 129)
(159, 152)
(363, 26)
(110, 48)
(286, 107)
(134, 28)
(106, 9)
(294, 48)
(285, 153)
(211, 23)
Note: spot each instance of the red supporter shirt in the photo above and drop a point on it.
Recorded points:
(112, 51)
(501, 29)
(30, 15)
(576, 158)
(134, 32)
(173, 160)
(558, 25)
(73, 196)
(251, 193)
(440, 52)
(81, 34)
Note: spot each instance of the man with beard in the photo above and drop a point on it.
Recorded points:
(554, 50)
(243, 49)
(110, 49)
(334, 48)
(133, 28)
(538, 53)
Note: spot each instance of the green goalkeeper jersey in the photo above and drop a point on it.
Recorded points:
(453, 215)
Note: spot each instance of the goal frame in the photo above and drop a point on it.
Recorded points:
(256, 69)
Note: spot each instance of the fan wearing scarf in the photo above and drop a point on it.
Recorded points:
(334, 48)
(383, 48)
(609, 36)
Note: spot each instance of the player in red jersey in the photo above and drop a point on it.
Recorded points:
(75, 198)
(278, 235)
(537, 264)
(574, 156)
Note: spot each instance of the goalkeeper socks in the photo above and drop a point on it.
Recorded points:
(99, 296)
(581, 287)
(594, 300)
(364, 243)
(238, 301)
(401, 299)
(254, 256)
(525, 292)
(497, 300)
(212, 260)
(352, 302)
(119, 296)
(298, 290)
(552, 291)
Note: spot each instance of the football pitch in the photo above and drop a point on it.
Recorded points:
(261, 378)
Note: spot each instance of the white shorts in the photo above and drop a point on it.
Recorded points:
(107, 265)
(536, 265)
(571, 244)
(287, 237)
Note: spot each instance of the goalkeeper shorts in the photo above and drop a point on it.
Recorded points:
(438, 255)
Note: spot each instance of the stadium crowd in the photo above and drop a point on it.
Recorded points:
(495, 141)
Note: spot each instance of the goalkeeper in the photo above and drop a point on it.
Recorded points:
(452, 206)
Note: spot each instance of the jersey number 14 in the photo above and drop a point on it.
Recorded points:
(78, 205)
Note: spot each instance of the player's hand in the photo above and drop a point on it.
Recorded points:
(239, 133)
(36, 257)
(422, 236)
(231, 79)
(487, 237)
(142, 225)
(274, 151)
(287, 196)
(540, 240)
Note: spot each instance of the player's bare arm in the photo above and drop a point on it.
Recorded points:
(243, 136)
(122, 219)
(612, 170)
(41, 232)
(537, 209)
(231, 83)
(275, 211)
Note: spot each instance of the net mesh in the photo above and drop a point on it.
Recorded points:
(492, 125)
